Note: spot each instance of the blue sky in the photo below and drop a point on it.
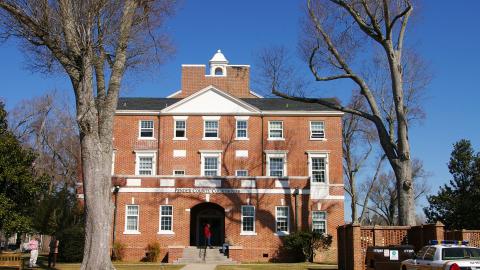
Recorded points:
(446, 33)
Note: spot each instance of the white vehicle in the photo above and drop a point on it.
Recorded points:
(447, 255)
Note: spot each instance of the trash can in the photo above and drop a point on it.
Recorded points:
(387, 257)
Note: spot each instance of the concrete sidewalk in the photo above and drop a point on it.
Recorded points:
(199, 266)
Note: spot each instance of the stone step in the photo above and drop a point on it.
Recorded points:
(202, 255)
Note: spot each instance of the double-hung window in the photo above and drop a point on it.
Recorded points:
(242, 127)
(248, 219)
(319, 221)
(275, 130)
(145, 163)
(276, 163)
(318, 167)
(276, 166)
(282, 219)
(131, 219)
(166, 219)
(317, 130)
(211, 166)
(211, 163)
(180, 129)
(146, 129)
(211, 129)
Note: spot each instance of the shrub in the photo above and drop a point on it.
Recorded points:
(118, 251)
(304, 244)
(153, 252)
(71, 244)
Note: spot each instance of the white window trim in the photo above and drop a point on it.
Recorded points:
(236, 173)
(175, 130)
(325, 220)
(242, 232)
(311, 133)
(160, 221)
(138, 220)
(320, 155)
(236, 129)
(276, 154)
(211, 153)
(270, 138)
(282, 233)
(139, 154)
(140, 131)
(205, 129)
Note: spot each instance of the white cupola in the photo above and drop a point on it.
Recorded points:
(218, 64)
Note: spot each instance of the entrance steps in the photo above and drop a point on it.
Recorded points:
(202, 255)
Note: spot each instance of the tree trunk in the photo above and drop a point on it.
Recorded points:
(98, 205)
(96, 159)
(405, 194)
(353, 203)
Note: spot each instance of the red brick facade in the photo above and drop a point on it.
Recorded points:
(195, 198)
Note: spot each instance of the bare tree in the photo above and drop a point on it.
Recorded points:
(336, 32)
(94, 43)
(46, 124)
(357, 146)
(383, 198)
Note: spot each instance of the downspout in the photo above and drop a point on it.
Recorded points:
(158, 145)
(263, 150)
(295, 194)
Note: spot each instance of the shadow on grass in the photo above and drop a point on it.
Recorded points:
(42, 263)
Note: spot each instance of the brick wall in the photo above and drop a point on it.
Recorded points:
(236, 81)
(353, 240)
(264, 246)
(297, 143)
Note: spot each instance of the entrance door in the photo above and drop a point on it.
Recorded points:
(202, 214)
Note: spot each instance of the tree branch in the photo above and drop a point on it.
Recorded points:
(311, 65)
(44, 36)
(359, 20)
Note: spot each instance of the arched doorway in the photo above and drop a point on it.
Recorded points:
(202, 214)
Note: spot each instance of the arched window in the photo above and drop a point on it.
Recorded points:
(218, 71)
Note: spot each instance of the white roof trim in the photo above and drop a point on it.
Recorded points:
(136, 112)
(216, 90)
(287, 113)
(193, 65)
(256, 94)
(174, 94)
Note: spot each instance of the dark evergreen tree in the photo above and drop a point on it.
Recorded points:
(456, 204)
(20, 188)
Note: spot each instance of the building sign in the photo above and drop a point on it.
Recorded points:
(394, 255)
(207, 190)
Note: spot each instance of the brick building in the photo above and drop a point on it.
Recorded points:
(215, 152)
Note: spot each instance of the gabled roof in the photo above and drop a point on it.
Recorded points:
(251, 104)
(210, 100)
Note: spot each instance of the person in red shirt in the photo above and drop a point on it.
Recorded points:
(208, 234)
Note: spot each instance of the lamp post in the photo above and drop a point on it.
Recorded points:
(115, 193)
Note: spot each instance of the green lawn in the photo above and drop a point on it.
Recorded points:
(124, 266)
(276, 266)
(43, 263)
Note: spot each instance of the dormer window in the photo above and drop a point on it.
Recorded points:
(218, 71)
